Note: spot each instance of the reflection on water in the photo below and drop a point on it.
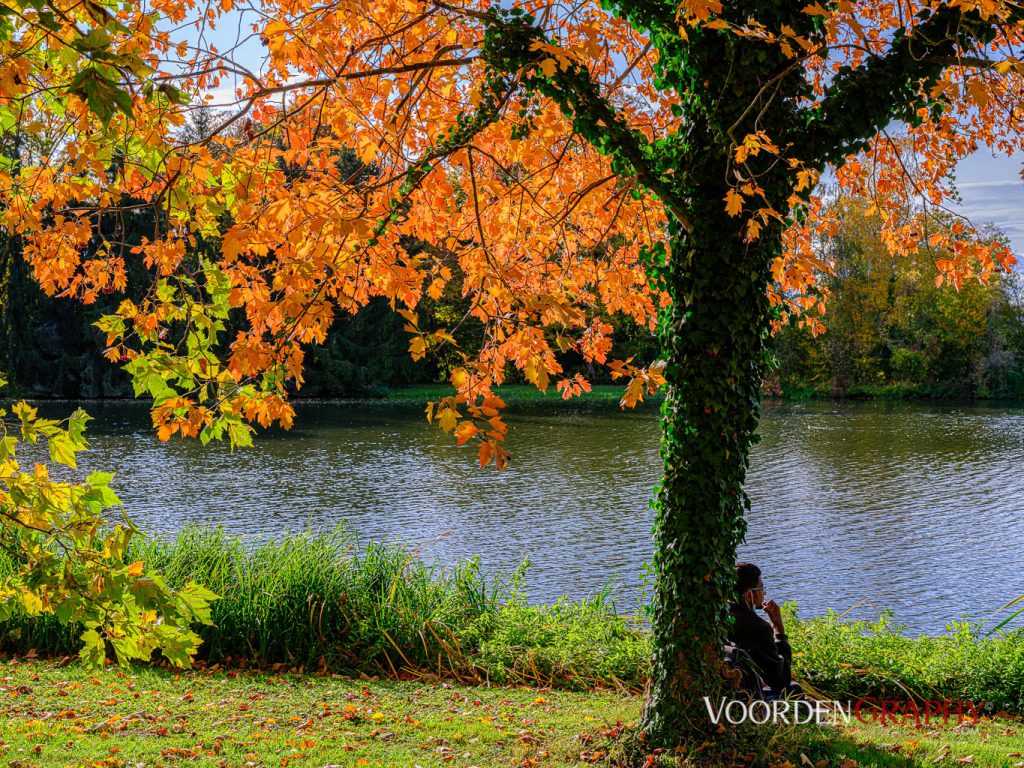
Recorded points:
(912, 507)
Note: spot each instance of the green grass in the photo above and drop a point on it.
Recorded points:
(513, 394)
(312, 601)
(75, 717)
(52, 715)
(996, 742)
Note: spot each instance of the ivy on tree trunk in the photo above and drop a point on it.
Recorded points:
(713, 334)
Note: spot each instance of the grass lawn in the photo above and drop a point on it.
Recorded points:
(990, 742)
(72, 716)
(514, 394)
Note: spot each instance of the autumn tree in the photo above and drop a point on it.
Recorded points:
(563, 162)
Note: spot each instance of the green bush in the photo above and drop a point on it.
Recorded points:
(568, 643)
(908, 364)
(317, 601)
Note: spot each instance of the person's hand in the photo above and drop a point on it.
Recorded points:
(774, 614)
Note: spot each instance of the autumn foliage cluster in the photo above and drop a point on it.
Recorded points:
(332, 180)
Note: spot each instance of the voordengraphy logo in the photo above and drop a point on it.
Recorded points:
(865, 710)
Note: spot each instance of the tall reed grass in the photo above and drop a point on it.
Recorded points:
(852, 659)
(316, 601)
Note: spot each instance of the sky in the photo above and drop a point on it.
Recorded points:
(992, 190)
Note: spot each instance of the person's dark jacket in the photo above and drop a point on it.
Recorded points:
(769, 651)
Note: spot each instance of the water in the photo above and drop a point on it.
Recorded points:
(916, 508)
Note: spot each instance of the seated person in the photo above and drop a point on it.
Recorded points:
(764, 641)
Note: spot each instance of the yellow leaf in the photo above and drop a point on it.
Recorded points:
(417, 347)
(979, 93)
(634, 394)
(135, 569)
(33, 605)
(447, 419)
(549, 67)
(733, 202)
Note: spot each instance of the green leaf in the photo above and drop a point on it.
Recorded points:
(76, 428)
(156, 386)
(101, 93)
(177, 645)
(240, 435)
(112, 325)
(7, 123)
(197, 599)
(97, 479)
(8, 445)
(63, 449)
(93, 653)
(96, 40)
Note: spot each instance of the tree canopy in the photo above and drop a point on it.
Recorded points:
(563, 162)
(465, 161)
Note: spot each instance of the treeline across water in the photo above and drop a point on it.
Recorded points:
(890, 332)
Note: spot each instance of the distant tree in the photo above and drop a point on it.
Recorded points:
(889, 323)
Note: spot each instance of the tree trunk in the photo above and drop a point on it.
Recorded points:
(713, 338)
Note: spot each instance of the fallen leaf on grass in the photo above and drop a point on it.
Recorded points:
(943, 753)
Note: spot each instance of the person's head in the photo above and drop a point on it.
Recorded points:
(749, 586)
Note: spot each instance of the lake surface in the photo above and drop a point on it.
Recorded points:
(918, 508)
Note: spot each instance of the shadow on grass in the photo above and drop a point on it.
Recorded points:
(804, 746)
(837, 750)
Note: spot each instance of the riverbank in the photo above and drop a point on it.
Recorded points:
(525, 394)
(515, 394)
(316, 602)
(923, 392)
(518, 394)
(66, 715)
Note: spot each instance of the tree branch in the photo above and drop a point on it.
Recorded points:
(510, 46)
(861, 102)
